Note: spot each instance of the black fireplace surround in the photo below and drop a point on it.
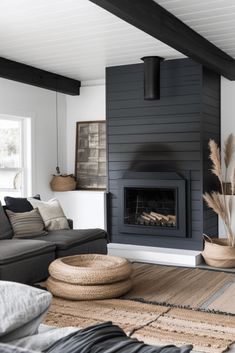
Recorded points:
(153, 203)
(166, 135)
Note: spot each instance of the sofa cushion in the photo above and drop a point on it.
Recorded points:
(26, 223)
(52, 213)
(19, 204)
(22, 309)
(5, 227)
(68, 238)
(13, 250)
(98, 246)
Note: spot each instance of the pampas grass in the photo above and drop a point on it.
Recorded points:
(214, 201)
(228, 150)
(216, 160)
(217, 201)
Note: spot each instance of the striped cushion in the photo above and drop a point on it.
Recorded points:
(26, 224)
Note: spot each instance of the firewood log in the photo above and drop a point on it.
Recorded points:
(171, 218)
(149, 216)
(145, 218)
(159, 216)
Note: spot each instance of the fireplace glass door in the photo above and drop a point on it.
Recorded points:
(154, 204)
(150, 207)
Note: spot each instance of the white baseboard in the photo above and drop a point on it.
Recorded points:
(150, 254)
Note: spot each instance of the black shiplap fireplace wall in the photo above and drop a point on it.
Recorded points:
(171, 133)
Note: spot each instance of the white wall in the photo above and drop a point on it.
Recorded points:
(90, 105)
(40, 104)
(227, 108)
(87, 209)
(227, 120)
(80, 205)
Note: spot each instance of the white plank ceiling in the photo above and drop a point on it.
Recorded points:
(213, 19)
(78, 39)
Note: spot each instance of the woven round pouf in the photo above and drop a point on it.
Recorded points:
(90, 269)
(89, 277)
(78, 292)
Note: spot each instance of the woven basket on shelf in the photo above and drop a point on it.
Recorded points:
(63, 183)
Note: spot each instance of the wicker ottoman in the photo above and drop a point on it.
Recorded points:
(89, 277)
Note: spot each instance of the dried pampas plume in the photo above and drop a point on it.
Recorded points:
(218, 201)
(228, 150)
(215, 158)
(214, 201)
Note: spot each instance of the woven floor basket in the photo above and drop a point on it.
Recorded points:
(90, 269)
(217, 253)
(96, 292)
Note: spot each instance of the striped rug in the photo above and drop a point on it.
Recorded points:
(153, 324)
(167, 305)
(183, 287)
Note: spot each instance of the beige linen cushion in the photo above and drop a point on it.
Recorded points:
(26, 224)
(52, 213)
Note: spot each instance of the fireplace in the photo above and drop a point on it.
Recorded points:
(150, 206)
(167, 135)
(153, 204)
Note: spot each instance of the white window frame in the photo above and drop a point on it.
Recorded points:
(25, 155)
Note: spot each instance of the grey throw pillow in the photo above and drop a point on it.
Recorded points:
(26, 224)
(7, 348)
(5, 227)
(22, 310)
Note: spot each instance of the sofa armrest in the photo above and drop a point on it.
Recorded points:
(70, 222)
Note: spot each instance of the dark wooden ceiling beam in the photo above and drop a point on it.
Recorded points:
(13, 70)
(161, 24)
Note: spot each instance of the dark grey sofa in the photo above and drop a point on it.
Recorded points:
(27, 260)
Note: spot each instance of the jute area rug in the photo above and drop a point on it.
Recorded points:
(183, 287)
(167, 305)
(153, 324)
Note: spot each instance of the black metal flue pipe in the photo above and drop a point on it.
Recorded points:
(152, 77)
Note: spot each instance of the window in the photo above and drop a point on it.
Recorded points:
(15, 156)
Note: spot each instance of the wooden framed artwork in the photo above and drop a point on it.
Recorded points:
(90, 156)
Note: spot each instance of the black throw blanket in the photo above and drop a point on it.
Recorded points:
(108, 338)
